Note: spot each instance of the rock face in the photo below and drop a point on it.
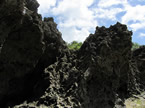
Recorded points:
(108, 74)
(25, 41)
(38, 70)
(139, 58)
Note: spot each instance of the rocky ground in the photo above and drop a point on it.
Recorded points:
(37, 69)
(137, 101)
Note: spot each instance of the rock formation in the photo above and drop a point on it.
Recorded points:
(138, 57)
(38, 70)
(27, 45)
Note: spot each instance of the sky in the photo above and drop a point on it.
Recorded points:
(76, 19)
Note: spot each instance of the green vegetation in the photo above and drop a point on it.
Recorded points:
(74, 45)
(135, 46)
(135, 102)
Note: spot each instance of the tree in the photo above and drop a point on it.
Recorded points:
(74, 45)
(135, 45)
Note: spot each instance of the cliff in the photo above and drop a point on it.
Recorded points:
(38, 70)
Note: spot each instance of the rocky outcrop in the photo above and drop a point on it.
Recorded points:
(106, 56)
(38, 70)
(100, 74)
(27, 45)
(139, 60)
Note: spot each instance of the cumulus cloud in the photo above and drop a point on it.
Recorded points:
(45, 6)
(76, 19)
(142, 35)
(109, 14)
(75, 34)
(109, 3)
(137, 26)
(134, 17)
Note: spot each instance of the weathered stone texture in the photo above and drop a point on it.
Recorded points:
(38, 70)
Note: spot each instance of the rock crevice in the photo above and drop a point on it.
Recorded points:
(37, 68)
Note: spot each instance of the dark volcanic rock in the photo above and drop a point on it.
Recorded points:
(27, 46)
(99, 75)
(38, 70)
(32, 5)
(108, 75)
(139, 58)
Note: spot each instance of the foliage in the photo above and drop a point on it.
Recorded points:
(135, 46)
(74, 45)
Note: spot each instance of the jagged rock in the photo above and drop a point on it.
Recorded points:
(139, 58)
(32, 5)
(108, 73)
(38, 70)
(99, 75)
(27, 45)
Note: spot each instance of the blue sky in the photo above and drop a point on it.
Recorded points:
(76, 19)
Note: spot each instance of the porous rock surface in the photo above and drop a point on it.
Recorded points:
(138, 57)
(38, 70)
(27, 46)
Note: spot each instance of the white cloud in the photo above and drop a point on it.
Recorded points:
(109, 14)
(136, 15)
(109, 3)
(137, 26)
(108, 9)
(142, 35)
(45, 5)
(74, 14)
(77, 18)
(71, 33)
